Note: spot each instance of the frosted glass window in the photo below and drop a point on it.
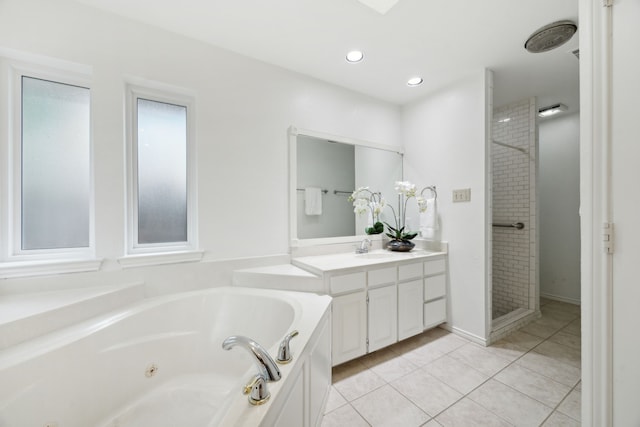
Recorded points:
(162, 172)
(55, 165)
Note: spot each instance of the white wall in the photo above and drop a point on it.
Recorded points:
(444, 139)
(559, 195)
(243, 109)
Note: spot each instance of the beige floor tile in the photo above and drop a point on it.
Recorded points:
(357, 385)
(432, 423)
(558, 313)
(480, 359)
(514, 345)
(560, 420)
(560, 352)
(566, 338)
(428, 393)
(422, 355)
(565, 306)
(456, 374)
(549, 367)
(344, 416)
(446, 343)
(334, 401)
(544, 327)
(394, 368)
(534, 385)
(573, 328)
(571, 405)
(468, 413)
(509, 404)
(348, 369)
(387, 407)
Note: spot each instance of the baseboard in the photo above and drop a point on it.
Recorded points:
(471, 337)
(560, 298)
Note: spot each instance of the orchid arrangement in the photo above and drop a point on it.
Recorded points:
(406, 190)
(366, 200)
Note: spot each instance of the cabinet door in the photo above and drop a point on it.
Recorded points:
(349, 327)
(410, 310)
(383, 317)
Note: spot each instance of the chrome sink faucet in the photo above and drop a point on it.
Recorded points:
(364, 246)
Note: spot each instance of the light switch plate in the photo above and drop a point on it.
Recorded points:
(462, 195)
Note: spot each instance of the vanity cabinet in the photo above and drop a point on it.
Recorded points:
(377, 303)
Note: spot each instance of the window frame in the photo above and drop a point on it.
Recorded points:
(169, 95)
(13, 250)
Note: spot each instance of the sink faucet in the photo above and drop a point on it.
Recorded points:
(364, 246)
(267, 368)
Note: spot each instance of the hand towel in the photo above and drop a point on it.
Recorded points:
(312, 201)
(429, 219)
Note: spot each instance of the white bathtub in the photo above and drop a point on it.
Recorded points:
(160, 363)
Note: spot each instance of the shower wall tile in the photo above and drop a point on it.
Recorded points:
(514, 254)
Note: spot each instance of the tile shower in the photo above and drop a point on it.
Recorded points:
(514, 169)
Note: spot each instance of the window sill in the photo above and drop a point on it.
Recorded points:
(143, 260)
(47, 268)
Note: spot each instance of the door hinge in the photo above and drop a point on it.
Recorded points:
(607, 3)
(608, 237)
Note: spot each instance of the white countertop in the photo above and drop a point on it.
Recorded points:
(321, 264)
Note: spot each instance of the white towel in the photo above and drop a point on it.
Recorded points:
(429, 219)
(312, 201)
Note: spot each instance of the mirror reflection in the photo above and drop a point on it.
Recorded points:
(327, 172)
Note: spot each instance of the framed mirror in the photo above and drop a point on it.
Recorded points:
(324, 170)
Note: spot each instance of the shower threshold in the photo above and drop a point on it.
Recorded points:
(510, 322)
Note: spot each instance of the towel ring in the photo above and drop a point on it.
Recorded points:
(433, 190)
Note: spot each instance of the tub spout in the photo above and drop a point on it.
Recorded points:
(266, 366)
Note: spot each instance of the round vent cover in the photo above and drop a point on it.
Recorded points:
(550, 36)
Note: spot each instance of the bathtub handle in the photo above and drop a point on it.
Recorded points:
(257, 390)
(284, 352)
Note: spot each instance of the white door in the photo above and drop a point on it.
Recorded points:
(625, 175)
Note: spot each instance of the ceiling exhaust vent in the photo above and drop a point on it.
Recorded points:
(550, 36)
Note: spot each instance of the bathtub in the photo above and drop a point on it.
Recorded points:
(160, 363)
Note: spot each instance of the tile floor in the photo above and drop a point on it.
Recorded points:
(529, 378)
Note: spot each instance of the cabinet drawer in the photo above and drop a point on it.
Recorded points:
(434, 266)
(410, 271)
(348, 282)
(382, 276)
(435, 287)
(435, 313)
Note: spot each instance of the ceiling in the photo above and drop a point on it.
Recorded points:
(441, 41)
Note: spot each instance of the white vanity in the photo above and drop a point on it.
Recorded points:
(380, 297)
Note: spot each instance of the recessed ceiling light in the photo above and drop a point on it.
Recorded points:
(552, 110)
(415, 81)
(355, 56)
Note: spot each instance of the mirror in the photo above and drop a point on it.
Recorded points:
(324, 170)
